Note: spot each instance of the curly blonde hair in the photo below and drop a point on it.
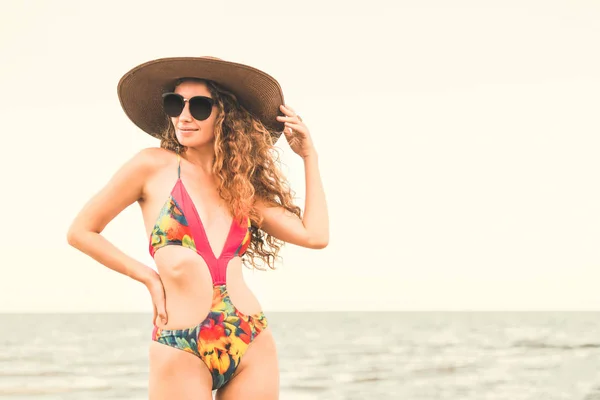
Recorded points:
(246, 165)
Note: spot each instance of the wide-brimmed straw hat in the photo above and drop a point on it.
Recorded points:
(140, 90)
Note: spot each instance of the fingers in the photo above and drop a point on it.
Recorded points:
(157, 293)
(292, 137)
(161, 314)
(287, 110)
(296, 127)
(295, 130)
(291, 120)
(160, 308)
(294, 120)
(290, 114)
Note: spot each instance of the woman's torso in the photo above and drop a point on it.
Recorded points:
(184, 273)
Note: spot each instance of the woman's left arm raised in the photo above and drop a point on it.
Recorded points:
(312, 230)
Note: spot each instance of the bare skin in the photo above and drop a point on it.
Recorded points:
(181, 291)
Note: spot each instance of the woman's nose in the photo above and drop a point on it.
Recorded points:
(185, 113)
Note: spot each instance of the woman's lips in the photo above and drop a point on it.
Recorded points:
(187, 130)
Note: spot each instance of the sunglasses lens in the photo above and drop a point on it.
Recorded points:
(172, 104)
(200, 108)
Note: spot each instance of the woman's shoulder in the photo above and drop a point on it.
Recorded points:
(153, 158)
(156, 154)
(147, 164)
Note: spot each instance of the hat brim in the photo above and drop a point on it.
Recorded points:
(141, 88)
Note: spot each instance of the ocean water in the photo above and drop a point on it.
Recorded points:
(330, 355)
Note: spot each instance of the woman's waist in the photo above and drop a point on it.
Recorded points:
(189, 301)
(222, 315)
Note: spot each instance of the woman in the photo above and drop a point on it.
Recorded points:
(212, 199)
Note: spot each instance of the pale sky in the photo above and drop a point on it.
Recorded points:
(458, 147)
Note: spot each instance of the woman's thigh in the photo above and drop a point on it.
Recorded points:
(176, 374)
(258, 373)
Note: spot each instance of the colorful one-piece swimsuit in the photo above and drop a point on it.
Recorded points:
(224, 336)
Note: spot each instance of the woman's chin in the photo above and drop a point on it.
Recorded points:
(192, 142)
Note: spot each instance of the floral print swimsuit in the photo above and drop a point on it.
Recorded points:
(223, 337)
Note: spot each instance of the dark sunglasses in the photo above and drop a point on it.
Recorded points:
(200, 106)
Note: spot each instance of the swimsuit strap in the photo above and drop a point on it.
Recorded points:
(178, 166)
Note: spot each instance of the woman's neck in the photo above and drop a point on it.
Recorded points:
(202, 158)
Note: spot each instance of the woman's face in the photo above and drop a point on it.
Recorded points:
(191, 132)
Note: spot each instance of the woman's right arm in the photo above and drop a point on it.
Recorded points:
(125, 187)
